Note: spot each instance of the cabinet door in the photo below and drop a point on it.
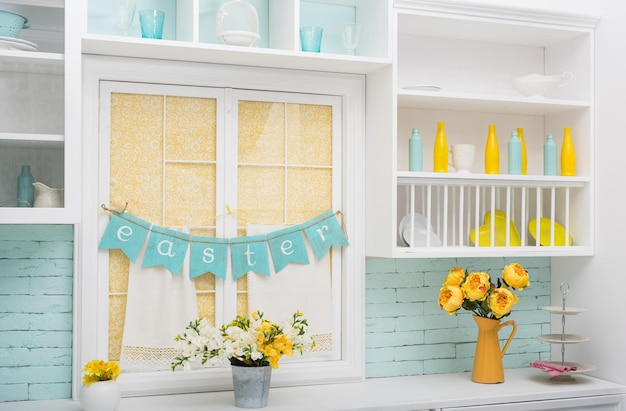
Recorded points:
(600, 403)
(32, 105)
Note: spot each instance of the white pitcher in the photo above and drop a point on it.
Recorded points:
(47, 197)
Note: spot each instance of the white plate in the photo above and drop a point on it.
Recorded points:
(580, 368)
(567, 338)
(421, 229)
(566, 311)
(425, 87)
(16, 45)
(17, 40)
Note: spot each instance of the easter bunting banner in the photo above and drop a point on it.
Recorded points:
(168, 247)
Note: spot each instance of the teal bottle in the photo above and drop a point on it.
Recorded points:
(416, 146)
(25, 189)
(549, 156)
(515, 154)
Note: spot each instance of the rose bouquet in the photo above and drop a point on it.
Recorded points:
(476, 293)
(248, 342)
(99, 370)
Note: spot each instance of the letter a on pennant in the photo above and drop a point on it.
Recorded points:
(127, 233)
(166, 247)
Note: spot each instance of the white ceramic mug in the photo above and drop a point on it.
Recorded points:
(462, 157)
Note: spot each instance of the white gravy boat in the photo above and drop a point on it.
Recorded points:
(47, 197)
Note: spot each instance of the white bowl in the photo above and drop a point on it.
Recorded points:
(537, 85)
(238, 37)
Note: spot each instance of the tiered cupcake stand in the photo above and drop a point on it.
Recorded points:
(564, 339)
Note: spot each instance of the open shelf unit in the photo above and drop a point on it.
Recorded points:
(189, 34)
(35, 129)
(449, 65)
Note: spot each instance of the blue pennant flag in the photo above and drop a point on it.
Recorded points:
(166, 247)
(287, 245)
(208, 255)
(249, 254)
(125, 232)
(324, 232)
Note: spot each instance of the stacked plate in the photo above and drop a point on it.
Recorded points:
(13, 43)
(421, 230)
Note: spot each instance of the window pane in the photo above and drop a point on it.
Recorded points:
(310, 134)
(261, 132)
(191, 125)
(174, 186)
(279, 188)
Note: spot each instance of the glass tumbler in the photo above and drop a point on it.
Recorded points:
(151, 22)
(311, 38)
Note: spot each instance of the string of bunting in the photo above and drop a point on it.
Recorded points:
(168, 247)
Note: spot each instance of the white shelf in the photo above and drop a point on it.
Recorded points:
(224, 54)
(18, 61)
(29, 215)
(39, 3)
(498, 180)
(512, 104)
(27, 140)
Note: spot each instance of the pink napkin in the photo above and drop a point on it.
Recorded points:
(552, 368)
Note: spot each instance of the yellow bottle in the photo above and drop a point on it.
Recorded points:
(520, 134)
(440, 150)
(568, 156)
(492, 154)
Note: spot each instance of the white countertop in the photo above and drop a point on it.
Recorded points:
(394, 394)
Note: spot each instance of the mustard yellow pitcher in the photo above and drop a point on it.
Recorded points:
(488, 357)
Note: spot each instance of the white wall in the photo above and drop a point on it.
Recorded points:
(597, 283)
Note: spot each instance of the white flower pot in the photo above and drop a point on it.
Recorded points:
(100, 396)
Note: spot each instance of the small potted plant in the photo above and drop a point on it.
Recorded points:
(100, 391)
(252, 345)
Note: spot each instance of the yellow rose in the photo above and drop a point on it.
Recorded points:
(501, 301)
(455, 277)
(450, 298)
(516, 276)
(476, 286)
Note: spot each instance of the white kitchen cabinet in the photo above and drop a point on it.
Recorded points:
(450, 64)
(525, 389)
(599, 403)
(189, 34)
(36, 127)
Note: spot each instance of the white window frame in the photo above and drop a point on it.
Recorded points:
(91, 285)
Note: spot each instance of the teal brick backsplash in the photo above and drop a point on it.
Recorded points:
(36, 281)
(408, 334)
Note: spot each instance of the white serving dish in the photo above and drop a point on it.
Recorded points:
(238, 37)
(566, 311)
(563, 338)
(538, 85)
